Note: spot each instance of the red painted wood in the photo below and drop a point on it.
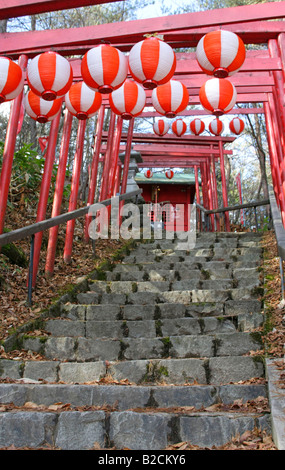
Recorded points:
(224, 186)
(9, 148)
(44, 191)
(15, 8)
(94, 167)
(276, 171)
(58, 193)
(134, 30)
(107, 160)
(74, 190)
(126, 163)
(115, 156)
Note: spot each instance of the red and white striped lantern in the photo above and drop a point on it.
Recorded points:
(104, 68)
(169, 174)
(170, 99)
(216, 126)
(11, 79)
(218, 96)
(161, 127)
(81, 101)
(179, 127)
(152, 62)
(49, 75)
(197, 126)
(39, 109)
(148, 174)
(236, 125)
(220, 53)
(129, 100)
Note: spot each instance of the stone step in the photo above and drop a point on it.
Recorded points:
(155, 295)
(245, 315)
(191, 371)
(176, 257)
(79, 430)
(247, 312)
(108, 349)
(124, 397)
(190, 264)
(129, 287)
(183, 273)
(133, 328)
(148, 355)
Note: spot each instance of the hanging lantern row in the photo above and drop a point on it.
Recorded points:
(129, 100)
(170, 99)
(216, 126)
(169, 174)
(148, 174)
(82, 101)
(179, 127)
(39, 109)
(197, 126)
(11, 79)
(220, 53)
(151, 63)
(161, 127)
(104, 68)
(236, 125)
(218, 96)
(49, 75)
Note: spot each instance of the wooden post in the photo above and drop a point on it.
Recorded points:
(115, 156)
(127, 160)
(45, 188)
(94, 167)
(9, 148)
(107, 159)
(210, 193)
(224, 185)
(215, 189)
(74, 190)
(58, 193)
(197, 189)
(276, 175)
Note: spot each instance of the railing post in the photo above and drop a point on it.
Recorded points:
(282, 277)
(31, 265)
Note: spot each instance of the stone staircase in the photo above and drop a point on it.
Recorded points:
(155, 352)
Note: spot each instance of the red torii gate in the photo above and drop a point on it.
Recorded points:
(261, 80)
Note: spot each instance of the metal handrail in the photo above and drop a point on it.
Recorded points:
(31, 230)
(277, 224)
(280, 236)
(233, 208)
(254, 205)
